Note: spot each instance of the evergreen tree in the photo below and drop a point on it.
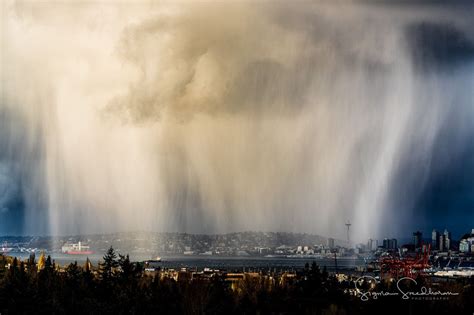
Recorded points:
(31, 260)
(13, 270)
(73, 272)
(87, 276)
(126, 267)
(31, 265)
(3, 262)
(325, 274)
(22, 272)
(315, 275)
(47, 280)
(107, 268)
(48, 265)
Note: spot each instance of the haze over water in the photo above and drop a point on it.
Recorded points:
(214, 118)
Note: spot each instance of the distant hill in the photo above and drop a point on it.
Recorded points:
(173, 242)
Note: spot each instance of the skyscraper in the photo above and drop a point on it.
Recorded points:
(466, 245)
(435, 239)
(330, 243)
(393, 243)
(417, 239)
(442, 242)
(447, 239)
(390, 243)
(372, 244)
(386, 243)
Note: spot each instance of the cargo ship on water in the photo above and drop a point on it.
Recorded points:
(76, 249)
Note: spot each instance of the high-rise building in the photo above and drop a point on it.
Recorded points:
(390, 243)
(442, 242)
(447, 239)
(372, 244)
(393, 243)
(466, 244)
(330, 243)
(435, 239)
(417, 239)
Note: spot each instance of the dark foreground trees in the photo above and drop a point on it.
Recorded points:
(120, 287)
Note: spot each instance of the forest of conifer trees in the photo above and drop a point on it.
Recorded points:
(119, 286)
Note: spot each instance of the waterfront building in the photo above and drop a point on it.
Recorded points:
(435, 239)
(447, 239)
(390, 243)
(442, 243)
(466, 244)
(330, 243)
(417, 239)
(372, 244)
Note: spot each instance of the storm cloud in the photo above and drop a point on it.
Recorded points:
(213, 117)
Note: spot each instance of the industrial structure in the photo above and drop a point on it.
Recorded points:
(405, 266)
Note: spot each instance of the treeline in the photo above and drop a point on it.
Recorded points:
(120, 287)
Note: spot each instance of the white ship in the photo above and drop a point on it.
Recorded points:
(76, 249)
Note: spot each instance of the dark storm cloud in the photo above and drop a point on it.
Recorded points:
(439, 45)
(441, 183)
(447, 201)
(18, 155)
(11, 203)
(12, 210)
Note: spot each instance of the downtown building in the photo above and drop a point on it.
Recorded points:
(466, 244)
(390, 244)
(440, 241)
(435, 240)
(372, 244)
(417, 239)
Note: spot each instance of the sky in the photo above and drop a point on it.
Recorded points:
(216, 117)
